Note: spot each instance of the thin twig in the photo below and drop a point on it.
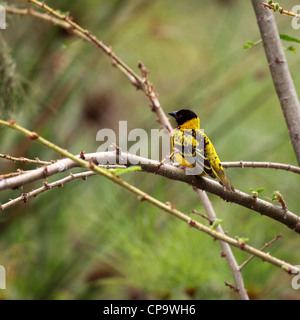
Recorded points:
(25, 160)
(281, 10)
(46, 186)
(226, 250)
(267, 165)
(203, 216)
(278, 236)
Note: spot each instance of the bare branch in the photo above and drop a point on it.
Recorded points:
(267, 165)
(167, 170)
(226, 250)
(282, 79)
(278, 236)
(24, 160)
(47, 186)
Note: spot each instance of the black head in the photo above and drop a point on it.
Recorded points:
(183, 115)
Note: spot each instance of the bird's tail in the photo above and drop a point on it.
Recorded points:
(224, 180)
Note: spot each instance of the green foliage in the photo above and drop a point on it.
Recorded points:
(216, 223)
(121, 171)
(286, 37)
(255, 193)
(250, 44)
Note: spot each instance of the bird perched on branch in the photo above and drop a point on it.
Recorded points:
(192, 148)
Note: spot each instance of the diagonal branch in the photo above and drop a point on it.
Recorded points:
(226, 249)
(281, 76)
(66, 22)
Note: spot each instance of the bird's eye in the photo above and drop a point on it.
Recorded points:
(180, 116)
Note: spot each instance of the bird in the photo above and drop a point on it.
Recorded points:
(193, 149)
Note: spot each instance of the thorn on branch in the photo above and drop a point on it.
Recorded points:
(231, 286)
(33, 136)
(46, 186)
(118, 149)
(81, 155)
(24, 197)
(211, 221)
(45, 170)
(170, 205)
(142, 198)
(143, 69)
(278, 61)
(191, 223)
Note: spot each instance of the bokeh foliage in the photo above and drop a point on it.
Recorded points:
(93, 240)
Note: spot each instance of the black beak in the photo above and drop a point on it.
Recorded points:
(173, 114)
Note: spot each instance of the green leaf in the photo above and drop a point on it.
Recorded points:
(260, 190)
(292, 49)
(241, 239)
(255, 193)
(216, 223)
(120, 171)
(248, 45)
(286, 37)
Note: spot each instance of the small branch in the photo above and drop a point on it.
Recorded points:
(261, 249)
(47, 186)
(231, 286)
(267, 165)
(278, 198)
(276, 7)
(203, 216)
(282, 79)
(24, 160)
(226, 249)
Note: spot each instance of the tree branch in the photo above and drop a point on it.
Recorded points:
(226, 249)
(167, 170)
(178, 214)
(267, 165)
(282, 79)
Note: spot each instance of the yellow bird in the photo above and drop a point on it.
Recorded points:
(192, 148)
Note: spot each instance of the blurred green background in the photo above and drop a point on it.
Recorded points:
(93, 240)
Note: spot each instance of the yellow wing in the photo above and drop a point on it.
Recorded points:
(193, 148)
(215, 163)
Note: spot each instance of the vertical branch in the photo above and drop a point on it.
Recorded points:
(282, 79)
(226, 250)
